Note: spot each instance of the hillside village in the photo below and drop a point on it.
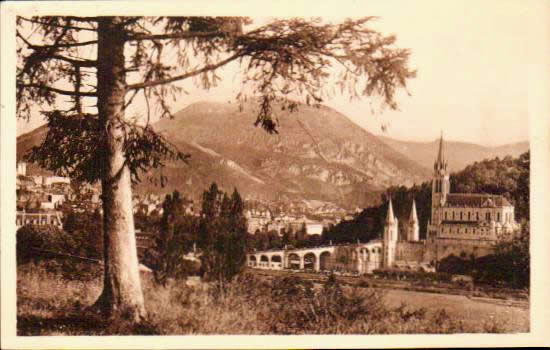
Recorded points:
(41, 198)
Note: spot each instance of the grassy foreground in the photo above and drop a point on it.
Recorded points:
(50, 304)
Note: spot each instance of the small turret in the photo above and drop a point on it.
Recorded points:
(390, 218)
(390, 236)
(413, 218)
(413, 229)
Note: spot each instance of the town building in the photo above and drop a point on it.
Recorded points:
(38, 218)
(21, 169)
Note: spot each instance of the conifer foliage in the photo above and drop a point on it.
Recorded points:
(176, 237)
(222, 235)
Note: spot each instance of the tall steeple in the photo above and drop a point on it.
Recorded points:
(440, 183)
(441, 163)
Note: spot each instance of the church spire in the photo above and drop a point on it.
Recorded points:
(390, 218)
(440, 162)
(413, 217)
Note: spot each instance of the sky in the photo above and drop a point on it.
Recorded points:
(471, 61)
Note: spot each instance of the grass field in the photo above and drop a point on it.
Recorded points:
(51, 304)
(473, 311)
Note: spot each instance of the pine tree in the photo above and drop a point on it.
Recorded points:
(108, 61)
(223, 235)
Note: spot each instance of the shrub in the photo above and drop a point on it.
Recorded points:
(57, 250)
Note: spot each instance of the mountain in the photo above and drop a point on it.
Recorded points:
(458, 154)
(318, 154)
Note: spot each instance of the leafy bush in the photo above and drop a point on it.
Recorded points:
(508, 266)
(58, 250)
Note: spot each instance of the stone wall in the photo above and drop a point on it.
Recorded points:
(436, 250)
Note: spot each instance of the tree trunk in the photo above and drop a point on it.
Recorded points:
(122, 295)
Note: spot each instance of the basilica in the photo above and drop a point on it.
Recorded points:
(463, 224)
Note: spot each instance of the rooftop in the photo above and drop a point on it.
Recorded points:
(476, 200)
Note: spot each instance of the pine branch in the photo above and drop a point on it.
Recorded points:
(76, 63)
(186, 75)
(64, 26)
(58, 91)
(58, 45)
(187, 35)
(82, 19)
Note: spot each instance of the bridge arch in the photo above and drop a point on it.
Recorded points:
(264, 261)
(325, 261)
(294, 261)
(276, 261)
(310, 261)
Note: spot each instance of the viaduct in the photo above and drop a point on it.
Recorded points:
(360, 258)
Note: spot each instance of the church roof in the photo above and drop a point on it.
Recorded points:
(476, 200)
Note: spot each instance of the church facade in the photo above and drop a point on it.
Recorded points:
(462, 224)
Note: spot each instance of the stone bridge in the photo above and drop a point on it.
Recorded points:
(360, 258)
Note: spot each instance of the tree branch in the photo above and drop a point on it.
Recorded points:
(57, 25)
(188, 35)
(82, 19)
(59, 91)
(76, 63)
(60, 45)
(186, 75)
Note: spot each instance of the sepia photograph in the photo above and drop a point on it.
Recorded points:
(196, 172)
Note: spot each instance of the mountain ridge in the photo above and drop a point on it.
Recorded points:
(318, 154)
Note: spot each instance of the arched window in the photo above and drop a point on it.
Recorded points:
(445, 215)
(460, 215)
(453, 215)
(498, 216)
(477, 215)
(468, 216)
